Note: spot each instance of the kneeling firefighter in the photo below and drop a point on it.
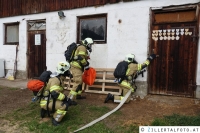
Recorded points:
(54, 100)
(78, 65)
(127, 83)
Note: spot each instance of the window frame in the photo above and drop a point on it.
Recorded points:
(79, 18)
(36, 22)
(5, 35)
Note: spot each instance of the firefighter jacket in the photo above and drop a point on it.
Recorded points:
(132, 69)
(82, 52)
(55, 84)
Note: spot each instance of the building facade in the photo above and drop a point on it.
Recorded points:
(42, 31)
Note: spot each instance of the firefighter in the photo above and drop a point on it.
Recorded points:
(78, 65)
(126, 84)
(54, 101)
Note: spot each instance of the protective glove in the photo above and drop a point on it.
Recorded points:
(66, 99)
(67, 102)
(55, 94)
(86, 67)
(151, 57)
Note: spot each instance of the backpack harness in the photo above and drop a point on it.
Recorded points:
(120, 73)
(45, 94)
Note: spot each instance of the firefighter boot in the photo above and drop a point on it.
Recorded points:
(70, 102)
(73, 103)
(80, 97)
(109, 97)
(43, 113)
(54, 122)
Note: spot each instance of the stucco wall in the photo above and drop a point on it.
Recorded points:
(129, 36)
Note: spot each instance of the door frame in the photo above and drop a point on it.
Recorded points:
(39, 29)
(172, 9)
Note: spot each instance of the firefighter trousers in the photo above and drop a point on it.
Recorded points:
(60, 109)
(118, 99)
(77, 78)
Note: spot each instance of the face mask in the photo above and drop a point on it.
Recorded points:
(89, 47)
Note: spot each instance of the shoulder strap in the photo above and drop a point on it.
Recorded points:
(58, 79)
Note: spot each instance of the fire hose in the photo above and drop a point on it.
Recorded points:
(107, 114)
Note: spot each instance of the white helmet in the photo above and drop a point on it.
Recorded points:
(62, 67)
(87, 41)
(130, 57)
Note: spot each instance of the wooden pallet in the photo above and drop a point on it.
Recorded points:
(104, 82)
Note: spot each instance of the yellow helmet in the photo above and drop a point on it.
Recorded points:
(130, 58)
(62, 67)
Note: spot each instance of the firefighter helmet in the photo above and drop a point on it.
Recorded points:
(130, 58)
(62, 67)
(87, 41)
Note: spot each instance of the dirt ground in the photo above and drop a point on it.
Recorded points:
(140, 111)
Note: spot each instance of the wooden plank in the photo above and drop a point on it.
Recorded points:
(11, 8)
(100, 86)
(105, 69)
(104, 83)
(100, 92)
(102, 80)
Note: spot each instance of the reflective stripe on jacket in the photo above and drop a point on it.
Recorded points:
(80, 51)
(55, 84)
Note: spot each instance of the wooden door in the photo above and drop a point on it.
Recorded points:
(36, 53)
(174, 71)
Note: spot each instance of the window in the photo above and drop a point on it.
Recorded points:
(94, 26)
(11, 33)
(37, 25)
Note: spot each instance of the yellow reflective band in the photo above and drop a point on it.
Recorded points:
(147, 62)
(126, 84)
(56, 88)
(127, 71)
(121, 97)
(61, 96)
(76, 64)
(139, 66)
(81, 53)
(61, 112)
(117, 101)
(79, 92)
(43, 102)
(83, 61)
(73, 92)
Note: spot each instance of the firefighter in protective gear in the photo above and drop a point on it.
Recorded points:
(78, 65)
(126, 84)
(54, 101)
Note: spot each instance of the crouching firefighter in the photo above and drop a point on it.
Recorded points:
(78, 65)
(126, 82)
(54, 101)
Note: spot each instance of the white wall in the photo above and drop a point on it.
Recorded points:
(130, 36)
